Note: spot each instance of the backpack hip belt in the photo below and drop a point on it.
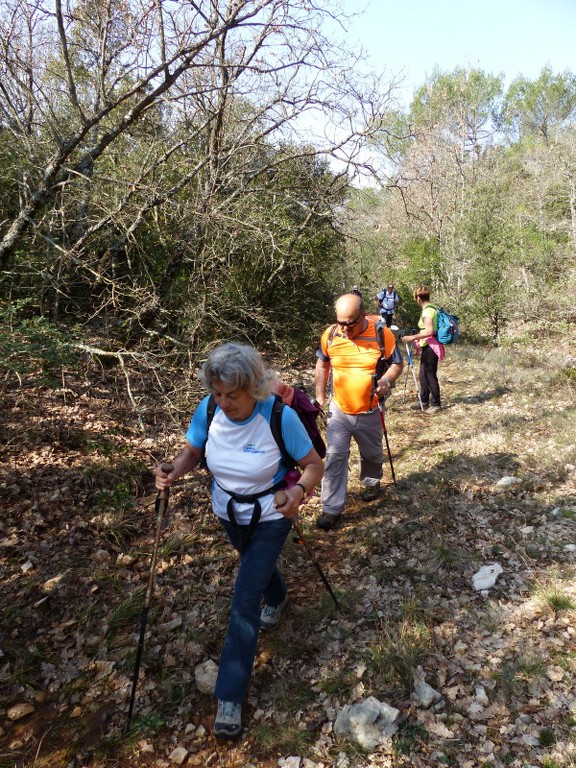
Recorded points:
(245, 531)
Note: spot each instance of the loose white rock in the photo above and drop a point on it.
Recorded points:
(178, 755)
(170, 626)
(531, 741)
(289, 762)
(20, 710)
(480, 696)
(14, 745)
(146, 747)
(486, 577)
(205, 676)
(123, 560)
(369, 722)
(507, 481)
(424, 695)
(53, 583)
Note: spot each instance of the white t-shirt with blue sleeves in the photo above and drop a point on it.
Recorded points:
(243, 456)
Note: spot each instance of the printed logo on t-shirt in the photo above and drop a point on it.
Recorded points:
(251, 448)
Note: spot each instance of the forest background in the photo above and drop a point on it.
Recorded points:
(155, 192)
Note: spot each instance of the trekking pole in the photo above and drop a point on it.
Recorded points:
(405, 385)
(411, 364)
(380, 371)
(161, 508)
(381, 409)
(301, 540)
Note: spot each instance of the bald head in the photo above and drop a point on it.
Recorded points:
(349, 305)
(350, 315)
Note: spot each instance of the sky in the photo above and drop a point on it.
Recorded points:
(513, 37)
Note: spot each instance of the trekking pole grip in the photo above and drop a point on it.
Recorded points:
(165, 493)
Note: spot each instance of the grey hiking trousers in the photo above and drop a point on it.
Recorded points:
(366, 429)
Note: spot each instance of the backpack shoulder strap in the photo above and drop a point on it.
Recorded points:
(210, 411)
(382, 364)
(331, 335)
(276, 428)
(379, 328)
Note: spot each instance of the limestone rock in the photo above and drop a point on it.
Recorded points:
(369, 722)
(178, 756)
(205, 676)
(486, 577)
(20, 710)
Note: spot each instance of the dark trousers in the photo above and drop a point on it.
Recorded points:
(387, 317)
(429, 386)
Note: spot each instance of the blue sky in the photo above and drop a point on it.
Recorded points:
(498, 36)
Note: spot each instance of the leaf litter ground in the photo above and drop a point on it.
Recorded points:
(77, 528)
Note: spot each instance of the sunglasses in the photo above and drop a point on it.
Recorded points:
(349, 324)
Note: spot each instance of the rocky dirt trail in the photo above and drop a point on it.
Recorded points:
(479, 677)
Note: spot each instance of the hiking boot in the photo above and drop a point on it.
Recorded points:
(228, 723)
(433, 409)
(417, 407)
(270, 616)
(370, 493)
(326, 522)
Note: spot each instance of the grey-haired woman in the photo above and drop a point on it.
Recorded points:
(246, 466)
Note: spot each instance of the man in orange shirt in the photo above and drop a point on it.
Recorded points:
(350, 350)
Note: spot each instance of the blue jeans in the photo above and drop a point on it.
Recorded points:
(257, 578)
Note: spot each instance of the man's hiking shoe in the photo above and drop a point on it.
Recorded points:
(434, 409)
(370, 493)
(417, 407)
(228, 723)
(270, 617)
(326, 522)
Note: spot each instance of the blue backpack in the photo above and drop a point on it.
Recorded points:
(448, 331)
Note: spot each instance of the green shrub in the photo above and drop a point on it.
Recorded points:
(33, 344)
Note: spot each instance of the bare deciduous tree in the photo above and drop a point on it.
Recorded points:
(142, 137)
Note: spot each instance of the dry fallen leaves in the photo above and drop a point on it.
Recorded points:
(75, 553)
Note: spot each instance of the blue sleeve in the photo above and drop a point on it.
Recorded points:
(198, 430)
(294, 434)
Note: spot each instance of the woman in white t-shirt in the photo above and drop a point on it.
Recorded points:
(246, 464)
